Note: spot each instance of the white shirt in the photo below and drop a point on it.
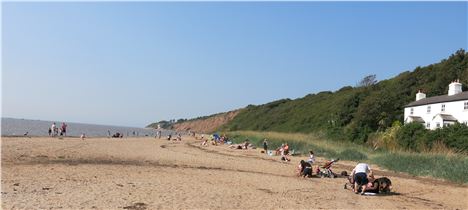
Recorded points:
(362, 168)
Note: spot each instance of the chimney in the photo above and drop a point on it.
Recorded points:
(420, 95)
(455, 88)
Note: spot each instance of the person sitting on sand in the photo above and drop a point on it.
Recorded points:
(359, 174)
(306, 169)
(284, 156)
(279, 150)
(286, 149)
(83, 136)
(246, 144)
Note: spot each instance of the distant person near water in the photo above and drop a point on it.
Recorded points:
(158, 134)
(265, 145)
(64, 129)
(50, 131)
(53, 127)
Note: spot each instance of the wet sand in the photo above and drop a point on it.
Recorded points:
(148, 173)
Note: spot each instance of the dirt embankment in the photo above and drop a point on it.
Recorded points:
(206, 125)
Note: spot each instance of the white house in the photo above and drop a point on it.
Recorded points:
(435, 112)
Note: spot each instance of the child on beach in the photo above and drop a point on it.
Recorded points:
(311, 159)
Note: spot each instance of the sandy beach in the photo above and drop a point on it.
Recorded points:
(148, 173)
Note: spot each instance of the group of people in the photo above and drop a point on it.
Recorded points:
(54, 130)
(283, 150)
(178, 137)
(362, 178)
(215, 140)
(363, 181)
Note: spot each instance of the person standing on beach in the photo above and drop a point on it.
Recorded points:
(50, 131)
(64, 129)
(53, 128)
(159, 134)
(265, 146)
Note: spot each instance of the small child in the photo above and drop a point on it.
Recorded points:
(311, 159)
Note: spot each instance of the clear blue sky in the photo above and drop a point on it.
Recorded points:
(136, 63)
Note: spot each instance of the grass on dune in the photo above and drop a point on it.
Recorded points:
(448, 166)
(303, 143)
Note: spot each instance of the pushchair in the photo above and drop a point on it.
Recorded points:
(326, 169)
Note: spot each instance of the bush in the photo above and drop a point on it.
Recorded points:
(454, 136)
(410, 135)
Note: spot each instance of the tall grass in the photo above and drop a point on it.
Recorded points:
(303, 143)
(448, 167)
(440, 163)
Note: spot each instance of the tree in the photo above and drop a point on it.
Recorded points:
(368, 81)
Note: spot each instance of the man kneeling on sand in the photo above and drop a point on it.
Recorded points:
(359, 174)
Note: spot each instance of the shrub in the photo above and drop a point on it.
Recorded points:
(410, 135)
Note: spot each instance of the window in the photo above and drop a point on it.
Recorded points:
(411, 111)
(428, 109)
(428, 125)
(443, 108)
(438, 125)
(466, 105)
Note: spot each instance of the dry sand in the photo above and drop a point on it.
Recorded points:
(46, 173)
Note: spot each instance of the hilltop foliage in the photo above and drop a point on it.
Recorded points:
(353, 113)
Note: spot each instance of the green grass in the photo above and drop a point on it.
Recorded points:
(449, 167)
(452, 167)
(303, 143)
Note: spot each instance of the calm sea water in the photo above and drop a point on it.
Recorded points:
(12, 127)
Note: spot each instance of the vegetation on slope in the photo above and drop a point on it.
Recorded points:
(353, 113)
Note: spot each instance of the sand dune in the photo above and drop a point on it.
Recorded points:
(145, 173)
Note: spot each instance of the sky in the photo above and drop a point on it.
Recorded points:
(134, 63)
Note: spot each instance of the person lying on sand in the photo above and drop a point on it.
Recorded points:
(236, 146)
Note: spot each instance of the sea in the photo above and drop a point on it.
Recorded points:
(19, 127)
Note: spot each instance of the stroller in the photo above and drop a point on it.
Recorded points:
(326, 169)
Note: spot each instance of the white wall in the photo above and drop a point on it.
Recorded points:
(455, 108)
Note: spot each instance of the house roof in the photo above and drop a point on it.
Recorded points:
(447, 117)
(439, 99)
(417, 119)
